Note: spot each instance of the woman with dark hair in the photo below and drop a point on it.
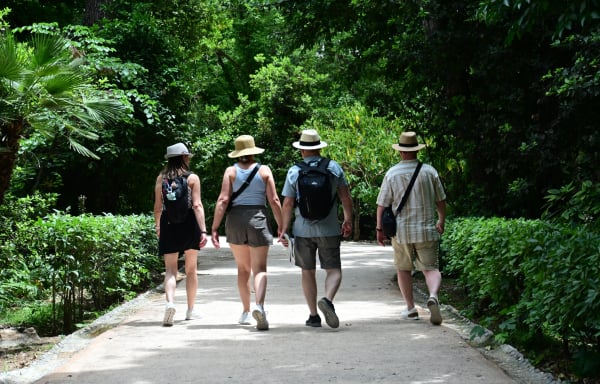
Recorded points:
(246, 225)
(176, 235)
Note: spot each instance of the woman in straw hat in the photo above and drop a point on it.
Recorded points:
(187, 237)
(246, 225)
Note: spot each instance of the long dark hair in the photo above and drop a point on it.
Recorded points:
(175, 167)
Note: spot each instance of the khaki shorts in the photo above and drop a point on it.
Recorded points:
(423, 256)
(305, 251)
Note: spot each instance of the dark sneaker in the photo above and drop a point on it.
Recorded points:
(434, 309)
(326, 306)
(313, 321)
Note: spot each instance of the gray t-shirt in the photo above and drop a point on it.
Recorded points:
(329, 226)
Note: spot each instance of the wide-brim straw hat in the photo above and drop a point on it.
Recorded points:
(408, 143)
(178, 149)
(244, 146)
(309, 140)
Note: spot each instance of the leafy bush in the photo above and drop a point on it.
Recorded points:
(78, 263)
(534, 283)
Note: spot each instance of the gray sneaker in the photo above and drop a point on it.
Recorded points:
(261, 318)
(434, 308)
(326, 306)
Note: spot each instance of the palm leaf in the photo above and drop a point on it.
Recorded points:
(81, 149)
(49, 50)
(10, 66)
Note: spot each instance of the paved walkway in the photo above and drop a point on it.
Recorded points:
(372, 345)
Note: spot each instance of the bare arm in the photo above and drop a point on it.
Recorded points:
(286, 216)
(381, 238)
(272, 197)
(347, 205)
(221, 205)
(441, 210)
(157, 203)
(198, 208)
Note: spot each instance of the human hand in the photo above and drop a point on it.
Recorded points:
(381, 238)
(203, 240)
(215, 239)
(440, 227)
(284, 240)
(346, 228)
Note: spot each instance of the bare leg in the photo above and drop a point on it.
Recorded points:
(309, 286)
(405, 285)
(332, 282)
(170, 282)
(433, 279)
(191, 276)
(258, 257)
(241, 253)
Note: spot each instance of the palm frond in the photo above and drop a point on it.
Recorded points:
(81, 149)
(49, 49)
(64, 83)
(10, 66)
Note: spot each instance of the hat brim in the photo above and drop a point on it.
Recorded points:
(296, 144)
(400, 148)
(170, 155)
(245, 152)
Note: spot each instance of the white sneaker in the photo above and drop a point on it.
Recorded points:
(169, 315)
(245, 319)
(191, 314)
(410, 314)
(261, 318)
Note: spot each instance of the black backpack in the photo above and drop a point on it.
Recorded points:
(314, 190)
(176, 199)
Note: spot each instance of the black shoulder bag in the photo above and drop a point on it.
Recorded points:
(388, 218)
(235, 194)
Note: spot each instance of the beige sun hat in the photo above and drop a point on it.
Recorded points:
(244, 146)
(408, 143)
(178, 149)
(309, 140)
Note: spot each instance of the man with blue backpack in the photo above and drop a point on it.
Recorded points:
(314, 187)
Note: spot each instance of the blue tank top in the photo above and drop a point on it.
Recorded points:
(255, 193)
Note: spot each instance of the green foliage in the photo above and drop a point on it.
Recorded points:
(573, 205)
(79, 263)
(532, 282)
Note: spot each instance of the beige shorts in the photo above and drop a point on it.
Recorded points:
(420, 256)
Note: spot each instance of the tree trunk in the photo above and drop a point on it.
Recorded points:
(93, 11)
(10, 134)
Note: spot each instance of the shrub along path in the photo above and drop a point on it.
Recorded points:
(372, 344)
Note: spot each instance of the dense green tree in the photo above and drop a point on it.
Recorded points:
(45, 92)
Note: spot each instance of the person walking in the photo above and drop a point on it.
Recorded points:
(317, 234)
(418, 230)
(180, 228)
(246, 225)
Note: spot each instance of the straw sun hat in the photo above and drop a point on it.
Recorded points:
(408, 143)
(244, 146)
(309, 140)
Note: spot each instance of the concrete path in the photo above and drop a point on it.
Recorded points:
(372, 345)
